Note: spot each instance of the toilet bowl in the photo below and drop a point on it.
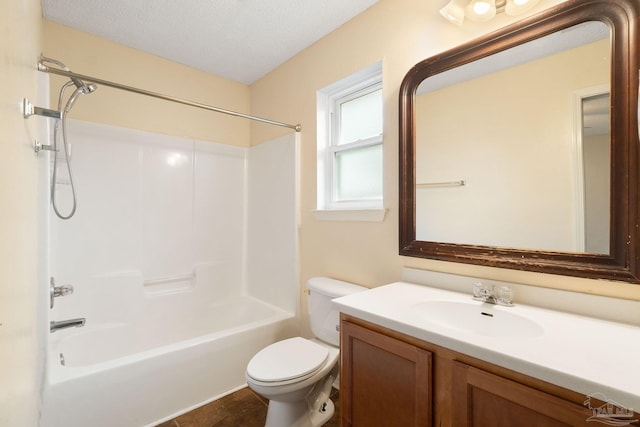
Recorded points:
(297, 374)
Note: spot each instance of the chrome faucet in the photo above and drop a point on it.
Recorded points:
(500, 295)
(64, 324)
(58, 291)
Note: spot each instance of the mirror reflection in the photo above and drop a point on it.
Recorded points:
(513, 150)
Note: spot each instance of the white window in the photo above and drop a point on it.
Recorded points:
(350, 143)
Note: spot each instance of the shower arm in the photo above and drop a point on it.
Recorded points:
(97, 81)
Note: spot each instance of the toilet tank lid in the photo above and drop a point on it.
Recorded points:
(333, 288)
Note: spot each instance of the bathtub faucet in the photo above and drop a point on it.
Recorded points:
(64, 324)
(58, 291)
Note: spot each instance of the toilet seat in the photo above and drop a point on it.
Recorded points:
(290, 360)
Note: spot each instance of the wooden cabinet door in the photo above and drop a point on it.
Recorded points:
(384, 381)
(482, 399)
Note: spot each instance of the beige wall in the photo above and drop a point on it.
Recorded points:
(401, 33)
(101, 58)
(20, 44)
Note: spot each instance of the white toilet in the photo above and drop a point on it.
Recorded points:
(296, 374)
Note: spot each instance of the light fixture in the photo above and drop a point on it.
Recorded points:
(454, 11)
(517, 7)
(483, 10)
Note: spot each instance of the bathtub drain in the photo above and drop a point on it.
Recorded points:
(62, 359)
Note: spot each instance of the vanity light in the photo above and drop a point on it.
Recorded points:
(483, 10)
(516, 7)
(454, 11)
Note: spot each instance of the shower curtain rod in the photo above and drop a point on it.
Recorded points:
(97, 81)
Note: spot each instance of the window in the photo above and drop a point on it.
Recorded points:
(350, 142)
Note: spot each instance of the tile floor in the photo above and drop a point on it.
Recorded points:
(242, 408)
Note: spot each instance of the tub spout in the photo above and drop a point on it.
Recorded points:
(64, 324)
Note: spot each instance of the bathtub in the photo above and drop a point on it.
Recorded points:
(116, 374)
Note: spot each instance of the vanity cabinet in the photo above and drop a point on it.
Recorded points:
(391, 379)
(481, 398)
(384, 381)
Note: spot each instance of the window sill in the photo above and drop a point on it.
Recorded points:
(364, 215)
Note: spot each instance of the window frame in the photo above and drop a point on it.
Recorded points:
(330, 100)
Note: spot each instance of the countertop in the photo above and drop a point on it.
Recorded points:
(580, 353)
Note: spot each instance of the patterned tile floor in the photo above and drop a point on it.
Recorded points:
(242, 408)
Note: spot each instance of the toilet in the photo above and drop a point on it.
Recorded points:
(297, 374)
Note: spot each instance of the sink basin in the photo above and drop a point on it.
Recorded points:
(477, 318)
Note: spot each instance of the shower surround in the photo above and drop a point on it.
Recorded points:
(183, 256)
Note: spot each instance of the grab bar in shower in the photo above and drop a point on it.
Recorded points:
(169, 279)
(167, 285)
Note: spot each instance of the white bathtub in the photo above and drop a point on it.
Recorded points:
(117, 374)
(161, 255)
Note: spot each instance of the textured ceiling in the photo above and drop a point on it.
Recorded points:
(238, 39)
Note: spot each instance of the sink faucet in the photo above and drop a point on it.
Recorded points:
(502, 295)
(64, 324)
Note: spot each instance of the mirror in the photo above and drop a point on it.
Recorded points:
(499, 143)
(510, 156)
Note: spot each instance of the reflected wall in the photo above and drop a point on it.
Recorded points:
(510, 136)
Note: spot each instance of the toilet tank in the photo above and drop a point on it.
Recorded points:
(324, 318)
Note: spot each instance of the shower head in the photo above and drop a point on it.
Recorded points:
(87, 88)
(84, 87)
(80, 90)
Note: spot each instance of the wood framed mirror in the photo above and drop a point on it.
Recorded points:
(507, 182)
